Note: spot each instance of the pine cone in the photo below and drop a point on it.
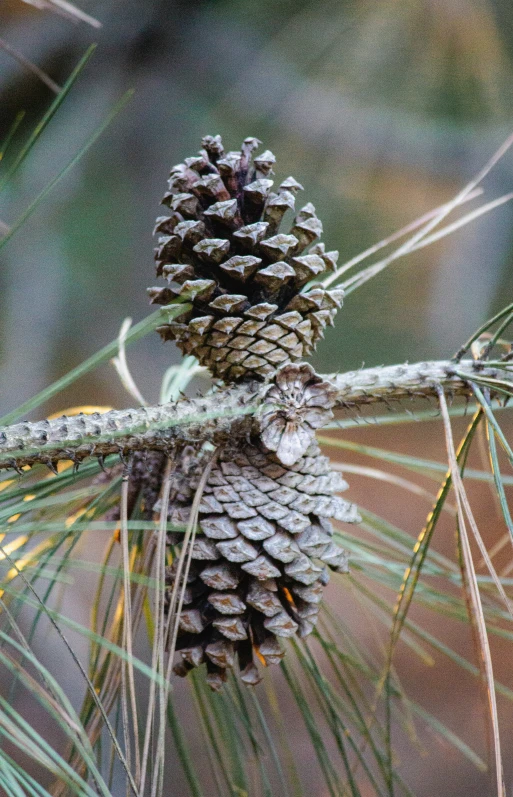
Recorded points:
(222, 247)
(259, 563)
(260, 557)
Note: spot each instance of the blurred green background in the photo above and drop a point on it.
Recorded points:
(382, 110)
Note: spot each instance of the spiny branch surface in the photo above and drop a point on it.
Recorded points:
(225, 415)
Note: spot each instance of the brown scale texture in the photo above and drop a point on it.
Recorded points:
(255, 306)
(264, 543)
(260, 563)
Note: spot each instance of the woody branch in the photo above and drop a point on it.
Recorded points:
(224, 415)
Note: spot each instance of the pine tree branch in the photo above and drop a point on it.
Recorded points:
(227, 414)
(395, 382)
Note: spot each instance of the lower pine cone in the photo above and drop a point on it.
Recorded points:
(260, 558)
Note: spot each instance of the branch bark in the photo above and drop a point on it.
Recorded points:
(226, 414)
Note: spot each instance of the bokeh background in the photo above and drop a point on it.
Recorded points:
(382, 110)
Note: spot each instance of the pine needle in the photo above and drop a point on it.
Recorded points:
(120, 364)
(30, 67)
(46, 118)
(413, 225)
(127, 668)
(385, 476)
(65, 9)
(158, 646)
(366, 274)
(174, 612)
(4, 146)
(64, 171)
(417, 240)
(474, 592)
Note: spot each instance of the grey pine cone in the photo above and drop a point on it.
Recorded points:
(260, 559)
(222, 247)
(265, 541)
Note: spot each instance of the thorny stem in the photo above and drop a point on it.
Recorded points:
(226, 414)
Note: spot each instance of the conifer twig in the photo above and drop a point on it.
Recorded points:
(226, 414)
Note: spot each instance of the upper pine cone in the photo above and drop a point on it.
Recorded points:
(222, 245)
